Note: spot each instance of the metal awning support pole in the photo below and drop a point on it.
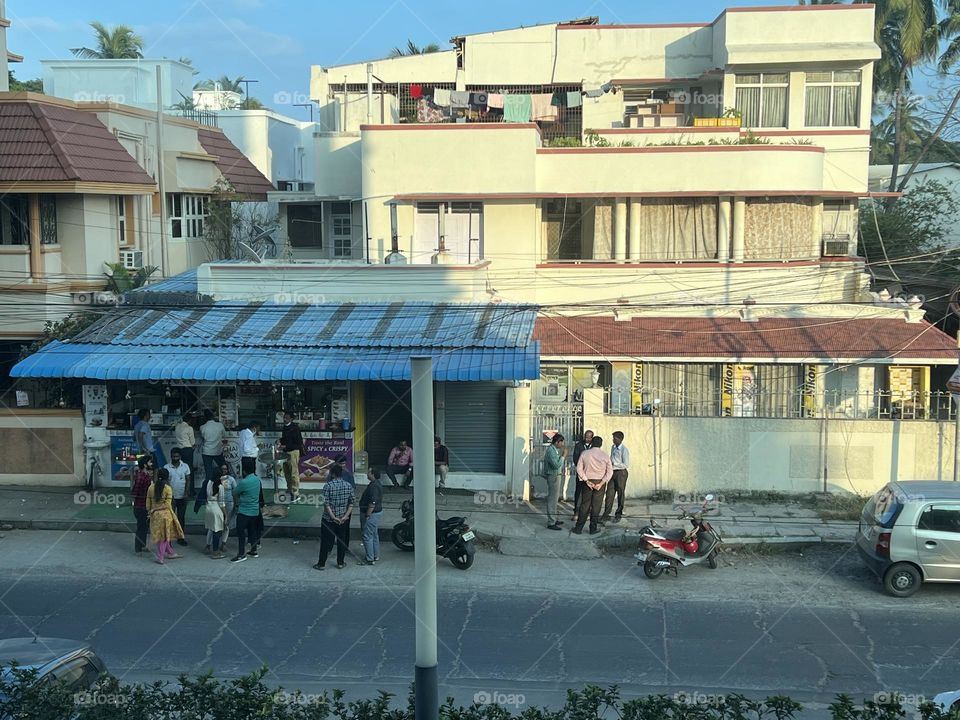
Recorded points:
(426, 689)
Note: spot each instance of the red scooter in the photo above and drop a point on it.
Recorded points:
(676, 548)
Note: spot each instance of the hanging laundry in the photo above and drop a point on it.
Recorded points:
(441, 97)
(574, 99)
(541, 107)
(478, 100)
(495, 100)
(558, 99)
(459, 98)
(607, 87)
(416, 91)
(427, 112)
(594, 92)
(517, 107)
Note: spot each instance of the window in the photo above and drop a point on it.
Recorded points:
(762, 99)
(48, 220)
(832, 99)
(121, 220)
(80, 674)
(341, 229)
(187, 214)
(14, 220)
(457, 227)
(305, 226)
(940, 518)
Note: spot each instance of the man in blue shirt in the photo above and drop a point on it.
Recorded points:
(617, 487)
(247, 498)
(143, 434)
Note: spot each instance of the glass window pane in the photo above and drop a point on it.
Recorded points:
(176, 229)
(846, 76)
(746, 79)
(817, 110)
(846, 99)
(774, 78)
(774, 107)
(48, 220)
(818, 77)
(748, 103)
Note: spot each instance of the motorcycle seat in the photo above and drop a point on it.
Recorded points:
(449, 522)
(674, 534)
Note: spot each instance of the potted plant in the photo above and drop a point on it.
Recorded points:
(731, 118)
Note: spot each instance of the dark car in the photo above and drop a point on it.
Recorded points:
(69, 661)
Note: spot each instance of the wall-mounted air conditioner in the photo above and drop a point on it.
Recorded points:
(837, 245)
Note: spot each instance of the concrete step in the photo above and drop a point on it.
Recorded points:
(564, 546)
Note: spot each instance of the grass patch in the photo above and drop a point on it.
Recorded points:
(837, 506)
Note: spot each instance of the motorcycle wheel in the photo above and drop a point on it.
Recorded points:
(462, 560)
(651, 570)
(401, 538)
(712, 560)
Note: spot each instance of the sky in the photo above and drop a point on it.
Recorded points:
(276, 41)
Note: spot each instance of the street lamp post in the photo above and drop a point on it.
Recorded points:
(426, 689)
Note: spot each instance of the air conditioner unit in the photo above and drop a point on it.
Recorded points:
(131, 259)
(838, 245)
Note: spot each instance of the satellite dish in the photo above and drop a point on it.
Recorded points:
(250, 253)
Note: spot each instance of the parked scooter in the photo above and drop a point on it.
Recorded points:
(455, 539)
(675, 548)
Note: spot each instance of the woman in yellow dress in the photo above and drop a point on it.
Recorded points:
(164, 526)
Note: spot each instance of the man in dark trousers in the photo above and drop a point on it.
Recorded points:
(595, 470)
(585, 444)
(291, 442)
(335, 525)
(617, 487)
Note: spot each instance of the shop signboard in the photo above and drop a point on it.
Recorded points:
(123, 458)
(319, 454)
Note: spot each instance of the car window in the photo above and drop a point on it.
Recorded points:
(78, 674)
(883, 508)
(940, 518)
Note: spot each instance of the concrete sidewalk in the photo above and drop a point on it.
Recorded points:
(514, 527)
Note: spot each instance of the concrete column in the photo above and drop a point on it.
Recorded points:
(36, 259)
(724, 227)
(739, 216)
(633, 248)
(817, 239)
(518, 426)
(620, 230)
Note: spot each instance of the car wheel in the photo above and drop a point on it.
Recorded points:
(902, 580)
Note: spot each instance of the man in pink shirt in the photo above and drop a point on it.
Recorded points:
(400, 461)
(594, 469)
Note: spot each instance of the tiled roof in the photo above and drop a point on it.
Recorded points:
(43, 142)
(729, 338)
(270, 342)
(234, 165)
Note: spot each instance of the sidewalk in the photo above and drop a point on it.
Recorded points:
(514, 527)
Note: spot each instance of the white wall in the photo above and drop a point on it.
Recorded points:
(270, 141)
(127, 82)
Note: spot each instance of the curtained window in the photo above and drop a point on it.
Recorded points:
(761, 99)
(678, 229)
(832, 99)
(578, 228)
(778, 229)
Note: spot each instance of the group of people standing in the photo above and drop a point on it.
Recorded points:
(601, 480)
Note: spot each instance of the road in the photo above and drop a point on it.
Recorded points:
(810, 625)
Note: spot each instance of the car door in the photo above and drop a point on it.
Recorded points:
(938, 541)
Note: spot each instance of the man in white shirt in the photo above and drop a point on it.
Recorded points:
(617, 487)
(179, 473)
(248, 441)
(213, 434)
(185, 440)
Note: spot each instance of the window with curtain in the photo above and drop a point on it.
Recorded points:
(460, 224)
(778, 229)
(761, 99)
(678, 229)
(14, 219)
(832, 99)
(578, 228)
(778, 391)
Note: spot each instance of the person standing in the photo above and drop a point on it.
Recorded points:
(138, 489)
(248, 441)
(585, 443)
(227, 484)
(617, 487)
(291, 442)
(371, 511)
(179, 473)
(164, 527)
(400, 461)
(246, 495)
(185, 440)
(552, 466)
(214, 518)
(335, 525)
(143, 434)
(341, 460)
(595, 470)
(213, 437)
(441, 461)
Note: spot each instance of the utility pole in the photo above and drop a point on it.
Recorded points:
(246, 91)
(306, 105)
(426, 688)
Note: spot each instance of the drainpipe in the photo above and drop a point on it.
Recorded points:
(161, 184)
(369, 93)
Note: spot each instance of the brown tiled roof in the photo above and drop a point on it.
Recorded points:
(234, 165)
(42, 142)
(770, 338)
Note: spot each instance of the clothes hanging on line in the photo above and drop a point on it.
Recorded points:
(479, 100)
(495, 100)
(427, 112)
(558, 99)
(416, 91)
(517, 108)
(593, 92)
(574, 99)
(441, 97)
(459, 98)
(541, 107)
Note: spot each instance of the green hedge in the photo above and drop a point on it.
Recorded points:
(248, 698)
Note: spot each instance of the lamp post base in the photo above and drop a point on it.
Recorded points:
(426, 693)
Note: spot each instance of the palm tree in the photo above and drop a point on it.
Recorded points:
(117, 42)
(226, 83)
(915, 129)
(413, 49)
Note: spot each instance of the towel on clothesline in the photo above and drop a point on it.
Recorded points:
(459, 98)
(517, 107)
(427, 112)
(574, 99)
(479, 100)
(416, 91)
(441, 97)
(495, 100)
(541, 107)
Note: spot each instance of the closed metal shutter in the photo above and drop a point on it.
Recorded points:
(475, 421)
(387, 419)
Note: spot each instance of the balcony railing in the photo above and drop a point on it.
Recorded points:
(204, 117)
(837, 405)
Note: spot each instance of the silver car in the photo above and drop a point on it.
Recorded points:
(910, 534)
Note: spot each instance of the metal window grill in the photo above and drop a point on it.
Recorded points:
(568, 124)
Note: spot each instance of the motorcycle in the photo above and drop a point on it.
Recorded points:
(676, 548)
(455, 539)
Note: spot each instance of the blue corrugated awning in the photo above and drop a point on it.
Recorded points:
(272, 342)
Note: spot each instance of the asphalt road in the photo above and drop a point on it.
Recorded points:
(811, 626)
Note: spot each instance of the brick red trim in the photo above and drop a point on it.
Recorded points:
(653, 81)
(453, 126)
(681, 148)
(413, 197)
(666, 131)
(781, 133)
(674, 265)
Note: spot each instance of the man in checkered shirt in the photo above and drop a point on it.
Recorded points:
(335, 526)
